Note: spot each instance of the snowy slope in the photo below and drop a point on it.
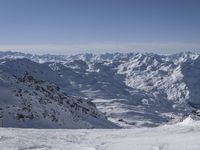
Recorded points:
(182, 136)
(30, 103)
(132, 89)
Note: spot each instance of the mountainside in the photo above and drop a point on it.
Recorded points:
(132, 89)
(30, 103)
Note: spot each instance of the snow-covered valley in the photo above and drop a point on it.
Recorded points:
(182, 136)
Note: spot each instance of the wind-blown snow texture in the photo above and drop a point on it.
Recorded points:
(133, 89)
(182, 136)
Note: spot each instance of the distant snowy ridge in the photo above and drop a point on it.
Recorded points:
(133, 89)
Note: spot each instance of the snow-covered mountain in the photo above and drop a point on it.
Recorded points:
(132, 89)
(30, 103)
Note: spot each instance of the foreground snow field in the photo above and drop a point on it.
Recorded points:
(183, 136)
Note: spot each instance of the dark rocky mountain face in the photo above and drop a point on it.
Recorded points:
(30, 103)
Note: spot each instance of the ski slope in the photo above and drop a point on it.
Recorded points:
(182, 136)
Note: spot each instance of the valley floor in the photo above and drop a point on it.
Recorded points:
(172, 137)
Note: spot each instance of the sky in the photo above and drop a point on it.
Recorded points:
(99, 26)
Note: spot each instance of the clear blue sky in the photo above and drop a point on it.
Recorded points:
(99, 25)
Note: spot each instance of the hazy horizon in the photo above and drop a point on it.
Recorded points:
(98, 53)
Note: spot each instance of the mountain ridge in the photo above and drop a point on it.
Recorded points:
(30, 103)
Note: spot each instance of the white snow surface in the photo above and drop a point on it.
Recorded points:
(171, 137)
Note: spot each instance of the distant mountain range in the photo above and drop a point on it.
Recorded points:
(132, 89)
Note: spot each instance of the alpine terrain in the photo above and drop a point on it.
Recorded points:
(131, 89)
